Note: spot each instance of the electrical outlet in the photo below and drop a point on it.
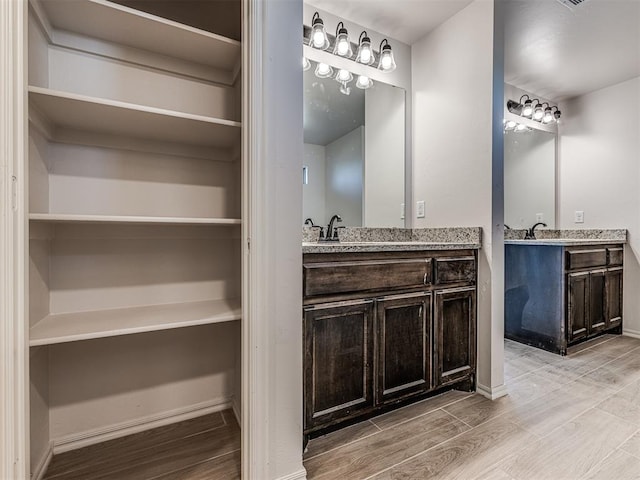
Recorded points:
(579, 217)
(539, 217)
(420, 209)
(402, 211)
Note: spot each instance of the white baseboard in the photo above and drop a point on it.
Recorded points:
(631, 333)
(91, 437)
(492, 393)
(299, 475)
(43, 464)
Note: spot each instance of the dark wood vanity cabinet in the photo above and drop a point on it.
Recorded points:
(594, 290)
(557, 296)
(381, 328)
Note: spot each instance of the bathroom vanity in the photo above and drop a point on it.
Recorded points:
(385, 322)
(559, 292)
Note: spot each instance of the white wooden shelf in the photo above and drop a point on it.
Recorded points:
(119, 24)
(84, 113)
(73, 218)
(72, 327)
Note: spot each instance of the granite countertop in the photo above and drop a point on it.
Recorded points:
(568, 238)
(566, 242)
(360, 239)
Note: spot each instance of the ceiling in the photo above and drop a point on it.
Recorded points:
(559, 53)
(404, 20)
(329, 114)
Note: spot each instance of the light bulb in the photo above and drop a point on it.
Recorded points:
(344, 75)
(342, 45)
(521, 128)
(538, 113)
(510, 125)
(527, 110)
(365, 53)
(306, 64)
(323, 71)
(387, 63)
(364, 82)
(548, 116)
(318, 38)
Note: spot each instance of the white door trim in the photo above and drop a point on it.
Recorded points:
(14, 436)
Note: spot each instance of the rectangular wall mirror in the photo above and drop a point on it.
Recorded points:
(529, 177)
(354, 152)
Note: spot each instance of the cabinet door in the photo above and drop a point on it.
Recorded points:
(455, 325)
(404, 345)
(613, 292)
(597, 296)
(338, 360)
(578, 305)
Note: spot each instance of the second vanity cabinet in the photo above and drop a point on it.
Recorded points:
(557, 294)
(383, 327)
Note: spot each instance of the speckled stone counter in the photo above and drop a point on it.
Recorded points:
(360, 239)
(569, 238)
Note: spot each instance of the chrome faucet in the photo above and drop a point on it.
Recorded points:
(331, 234)
(531, 233)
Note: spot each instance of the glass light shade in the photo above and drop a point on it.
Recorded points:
(557, 115)
(527, 110)
(318, 37)
(548, 116)
(323, 71)
(387, 62)
(364, 82)
(510, 125)
(306, 64)
(342, 46)
(365, 52)
(538, 113)
(521, 128)
(344, 76)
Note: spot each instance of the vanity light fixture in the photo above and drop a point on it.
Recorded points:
(534, 109)
(342, 46)
(365, 52)
(387, 62)
(318, 37)
(306, 64)
(323, 70)
(364, 82)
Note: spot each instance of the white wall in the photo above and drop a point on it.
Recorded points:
(313, 193)
(384, 154)
(529, 178)
(345, 168)
(453, 80)
(600, 174)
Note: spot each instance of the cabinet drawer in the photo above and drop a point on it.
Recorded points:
(455, 270)
(344, 277)
(596, 257)
(615, 255)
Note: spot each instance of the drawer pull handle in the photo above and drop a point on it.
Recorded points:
(424, 280)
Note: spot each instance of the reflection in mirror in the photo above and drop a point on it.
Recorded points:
(353, 152)
(529, 178)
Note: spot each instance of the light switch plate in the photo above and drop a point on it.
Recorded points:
(539, 217)
(420, 209)
(579, 216)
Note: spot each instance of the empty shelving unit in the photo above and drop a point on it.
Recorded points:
(134, 217)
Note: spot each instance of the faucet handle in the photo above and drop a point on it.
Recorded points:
(335, 232)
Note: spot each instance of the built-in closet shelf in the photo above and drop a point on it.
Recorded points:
(80, 112)
(72, 218)
(119, 24)
(72, 327)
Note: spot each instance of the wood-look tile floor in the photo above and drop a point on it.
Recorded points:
(565, 418)
(204, 448)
